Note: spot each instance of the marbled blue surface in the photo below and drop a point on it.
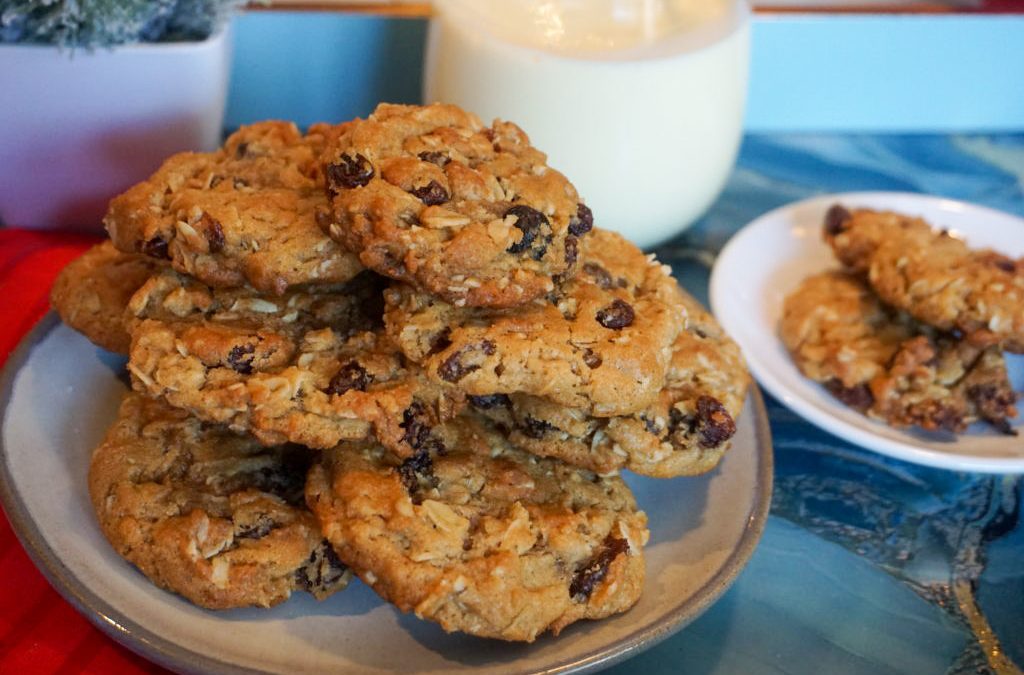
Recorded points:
(868, 564)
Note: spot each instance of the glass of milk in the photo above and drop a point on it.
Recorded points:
(639, 102)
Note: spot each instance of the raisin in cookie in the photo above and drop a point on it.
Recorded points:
(90, 294)
(932, 274)
(481, 537)
(209, 514)
(245, 213)
(889, 366)
(473, 214)
(310, 368)
(602, 342)
(685, 431)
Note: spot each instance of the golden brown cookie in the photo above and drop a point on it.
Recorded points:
(481, 537)
(601, 342)
(246, 213)
(430, 196)
(932, 274)
(307, 367)
(90, 294)
(889, 366)
(684, 431)
(209, 514)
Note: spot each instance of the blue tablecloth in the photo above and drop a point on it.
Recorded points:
(867, 565)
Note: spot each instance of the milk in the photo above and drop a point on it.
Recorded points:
(639, 102)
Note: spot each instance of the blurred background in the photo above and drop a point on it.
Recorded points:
(815, 64)
(94, 120)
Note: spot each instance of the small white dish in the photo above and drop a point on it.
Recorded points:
(769, 257)
(59, 393)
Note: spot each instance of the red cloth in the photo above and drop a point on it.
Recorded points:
(39, 631)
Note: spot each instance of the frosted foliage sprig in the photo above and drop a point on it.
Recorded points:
(106, 23)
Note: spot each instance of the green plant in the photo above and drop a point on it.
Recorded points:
(105, 23)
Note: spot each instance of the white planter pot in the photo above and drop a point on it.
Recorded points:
(78, 128)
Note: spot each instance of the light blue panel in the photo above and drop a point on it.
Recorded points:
(809, 73)
(321, 66)
(889, 73)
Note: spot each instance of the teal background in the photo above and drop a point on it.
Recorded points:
(808, 72)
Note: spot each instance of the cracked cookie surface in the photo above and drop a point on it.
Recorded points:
(246, 213)
(685, 431)
(208, 514)
(309, 368)
(932, 274)
(481, 537)
(91, 293)
(602, 342)
(890, 366)
(430, 196)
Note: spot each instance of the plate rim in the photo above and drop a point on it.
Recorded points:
(861, 437)
(179, 658)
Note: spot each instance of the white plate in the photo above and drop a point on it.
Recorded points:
(60, 395)
(769, 257)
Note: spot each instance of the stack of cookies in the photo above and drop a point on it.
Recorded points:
(912, 329)
(396, 347)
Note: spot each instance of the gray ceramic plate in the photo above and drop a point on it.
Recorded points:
(60, 393)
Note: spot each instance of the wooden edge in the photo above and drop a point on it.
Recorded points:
(399, 10)
(423, 9)
(921, 8)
